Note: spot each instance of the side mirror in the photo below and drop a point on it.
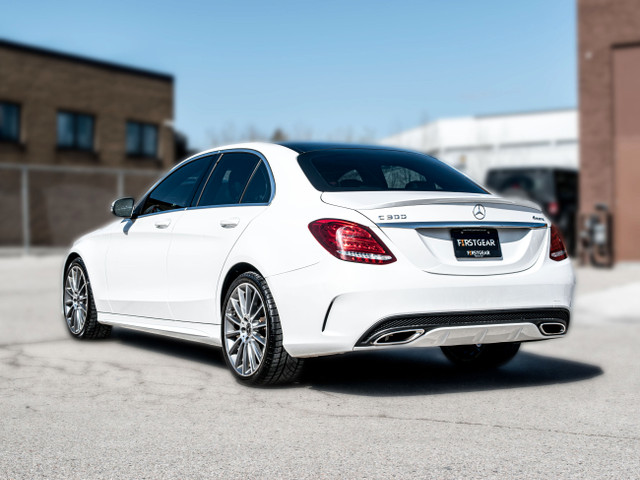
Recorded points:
(123, 207)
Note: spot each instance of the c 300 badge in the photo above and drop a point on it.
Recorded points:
(401, 216)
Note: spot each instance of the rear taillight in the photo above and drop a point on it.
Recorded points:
(557, 250)
(350, 241)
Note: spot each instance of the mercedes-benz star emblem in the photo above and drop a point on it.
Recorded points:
(479, 211)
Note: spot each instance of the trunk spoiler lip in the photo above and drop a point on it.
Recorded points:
(479, 224)
(330, 198)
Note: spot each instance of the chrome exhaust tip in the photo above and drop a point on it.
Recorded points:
(398, 337)
(553, 328)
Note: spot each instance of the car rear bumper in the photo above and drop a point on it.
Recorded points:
(467, 335)
(333, 306)
(460, 328)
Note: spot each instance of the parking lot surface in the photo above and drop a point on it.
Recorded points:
(142, 406)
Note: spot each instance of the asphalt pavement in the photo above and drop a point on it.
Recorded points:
(148, 407)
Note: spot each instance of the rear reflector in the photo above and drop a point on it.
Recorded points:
(350, 241)
(557, 250)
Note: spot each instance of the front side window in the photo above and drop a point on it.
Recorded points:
(75, 131)
(177, 190)
(229, 179)
(142, 139)
(359, 169)
(9, 122)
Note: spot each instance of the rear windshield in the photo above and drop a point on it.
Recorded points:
(349, 170)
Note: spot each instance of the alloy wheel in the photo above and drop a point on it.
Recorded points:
(245, 329)
(76, 299)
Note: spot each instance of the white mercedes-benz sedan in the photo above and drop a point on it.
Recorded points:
(277, 252)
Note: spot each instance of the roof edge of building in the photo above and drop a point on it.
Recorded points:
(115, 67)
(438, 121)
(527, 112)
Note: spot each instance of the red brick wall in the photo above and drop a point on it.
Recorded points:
(42, 85)
(64, 205)
(10, 208)
(602, 25)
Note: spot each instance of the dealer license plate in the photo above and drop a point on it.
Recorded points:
(474, 243)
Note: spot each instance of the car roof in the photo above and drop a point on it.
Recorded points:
(305, 147)
(522, 168)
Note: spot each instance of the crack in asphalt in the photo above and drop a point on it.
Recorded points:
(143, 376)
(9, 346)
(18, 358)
(26, 292)
(464, 423)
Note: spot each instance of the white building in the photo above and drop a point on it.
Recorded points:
(476, 144)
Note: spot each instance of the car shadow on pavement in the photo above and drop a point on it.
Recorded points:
(427, 372)
(423, 371)
(194, 351)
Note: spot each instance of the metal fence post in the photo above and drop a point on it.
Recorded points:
(120, 185)
(24, 193)
(23, 197)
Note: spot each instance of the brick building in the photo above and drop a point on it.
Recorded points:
(609, 70)
(74, 134)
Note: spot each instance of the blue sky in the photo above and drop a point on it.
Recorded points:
(324, 70)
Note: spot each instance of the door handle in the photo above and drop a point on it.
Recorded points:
(230, 222)
(163, 223)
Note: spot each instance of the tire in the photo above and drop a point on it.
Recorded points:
(479, 357)
(252, 335)
(78, 307)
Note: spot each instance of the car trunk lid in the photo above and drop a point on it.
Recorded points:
(424, 225)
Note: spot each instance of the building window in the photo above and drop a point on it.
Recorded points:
(75, 131)
(142, 139)
(9, 122)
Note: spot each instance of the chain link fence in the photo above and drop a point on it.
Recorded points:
(50, 206)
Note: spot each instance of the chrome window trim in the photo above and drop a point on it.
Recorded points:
(226, 205)
(221, 153)
(272, 182)
(160, 180)
(417, 225)
(157, 213)
(255, 169)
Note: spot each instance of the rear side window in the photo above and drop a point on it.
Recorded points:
(176, 191)
(346, 170)
(259, 188)
(229, 179)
